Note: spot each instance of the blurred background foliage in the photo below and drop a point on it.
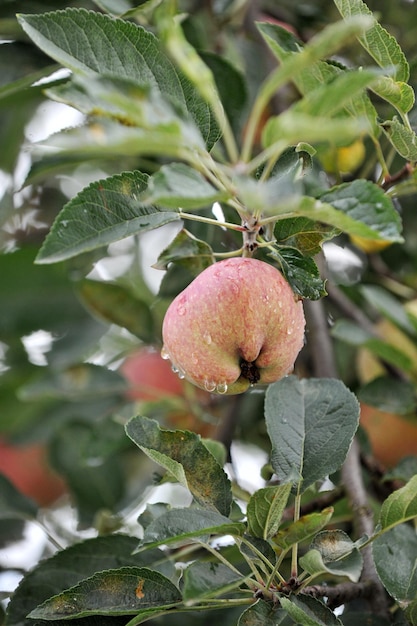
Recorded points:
(65, 329)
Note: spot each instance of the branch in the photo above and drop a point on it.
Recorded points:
(364, 522)
(341, 593)
(319, 340)
(323, 360)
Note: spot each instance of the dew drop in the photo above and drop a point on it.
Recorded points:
(209, 385)
(182, 310)
(207, 338)
(181, 374)
(284, 420)
(289, 331)
(164, 354)
(175, 369)
(221, 388)
(194, 358)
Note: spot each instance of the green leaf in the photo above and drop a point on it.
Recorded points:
(412, 613)
(389, 306)
(121, 100)
(195, 254)
(389, 353)
(117, 305)
(382, 46)
(68, 567)
(304, 234)
(76, 383)
(403, 138)
(85, 453)
(330, 98)
(293, 127)
(122, 591)
(265, 509)
(395, 557)
(284, 44)
(389, 394)
(301, 272)
(178, 185)
(115, 48)
(399, 94)
(184, 455)
(301, 530)
(14, 505)
(365, 202)
(178, 525)
(230, 84)
(209, 580)
(309, 611)
(311, 424)
(333, 552)
(400, 506)
(262, 613)
(104, 212)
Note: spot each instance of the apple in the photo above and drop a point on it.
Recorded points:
(26, 466)
(152, 380)
(392, 437)
(237, 324)
(149, 376)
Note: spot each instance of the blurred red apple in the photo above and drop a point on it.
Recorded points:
(152, 379)
(392, 437)
(27, 468)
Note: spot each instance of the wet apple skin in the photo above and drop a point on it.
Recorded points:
(237, 310)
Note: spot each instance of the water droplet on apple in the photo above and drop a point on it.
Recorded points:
(207, 338)
(289, 331)
(175, 369)
(284, 420)
(181, 374)
(182, 310)
(222, 388)
(209, 385)
(164, 354)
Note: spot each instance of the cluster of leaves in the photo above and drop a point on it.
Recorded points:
(177, 133)
(122, 578)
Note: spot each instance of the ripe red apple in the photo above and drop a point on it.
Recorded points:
(27, 468)
(238, 323)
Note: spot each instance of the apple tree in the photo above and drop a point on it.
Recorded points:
(229, 186)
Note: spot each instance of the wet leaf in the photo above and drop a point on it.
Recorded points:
(303, 529)
(311, 424)
(400, 506)
(122, 591)
(177, 525)
(184, 455)
(333, 552)
(68, 567)
(177, 185)
(265, 509)
(395, 556)
(104, 212)
(117, 305)
(309, 611)
(209, 580)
